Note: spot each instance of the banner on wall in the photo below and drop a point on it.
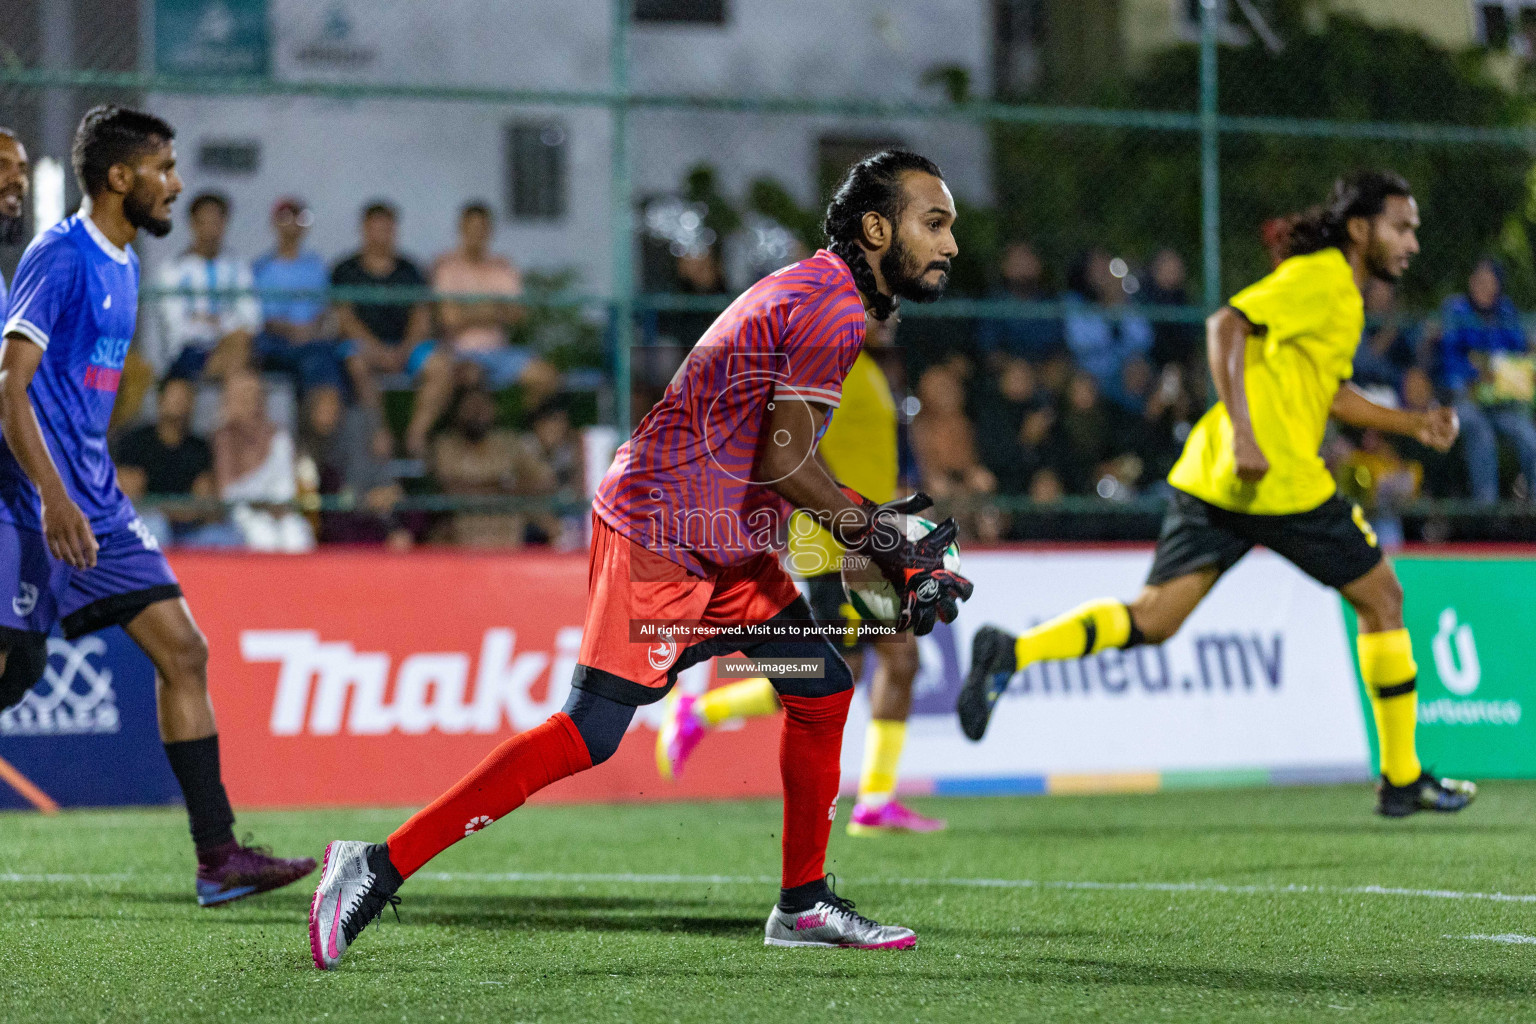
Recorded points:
(1472, 621)
(1259, 685)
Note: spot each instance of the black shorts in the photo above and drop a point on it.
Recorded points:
(1332, 543)
(830, 605)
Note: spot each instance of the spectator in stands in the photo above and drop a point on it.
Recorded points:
(1013, 420)
(475, 458)
(1168, 285)
(1022, 280)
(1091, 444)
(253, 463)
(207, 333)
(477, 332)
(944, 444)
(555, 467)
(1101, 332)
(348, 451)
(165, 458)
(379, 337)
(1487, 371)
(296, 336)
(1444, 474)
(1389, 348)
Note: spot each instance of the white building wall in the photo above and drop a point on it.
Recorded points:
(431, 157)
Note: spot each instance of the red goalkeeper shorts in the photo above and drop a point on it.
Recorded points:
(629, 585)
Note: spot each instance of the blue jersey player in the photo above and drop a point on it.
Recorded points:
(73, 551)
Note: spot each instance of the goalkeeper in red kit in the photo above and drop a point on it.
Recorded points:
(684, 529)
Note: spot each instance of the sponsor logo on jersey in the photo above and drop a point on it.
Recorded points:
(74, 697)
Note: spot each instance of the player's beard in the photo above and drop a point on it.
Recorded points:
(904, 277)
(137, 210)
(13, 230)
(1378, 263)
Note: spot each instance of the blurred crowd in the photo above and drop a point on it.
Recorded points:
(268, 391)
(260, 406)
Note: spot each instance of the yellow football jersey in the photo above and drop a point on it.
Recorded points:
(860, 448)
(1311, 316)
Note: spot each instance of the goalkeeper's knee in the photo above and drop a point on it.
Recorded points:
(25, 661)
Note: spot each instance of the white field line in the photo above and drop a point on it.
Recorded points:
(1508, 938)
(626, 878)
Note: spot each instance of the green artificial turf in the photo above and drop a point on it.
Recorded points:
(1220, 905)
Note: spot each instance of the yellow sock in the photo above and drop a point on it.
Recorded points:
(1390, 676)
(1086, 629)
(882, 750)
(750, 698)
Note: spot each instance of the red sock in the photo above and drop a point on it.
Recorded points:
(810, 756)
(500, 784)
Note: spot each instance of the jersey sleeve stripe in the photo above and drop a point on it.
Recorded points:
(27, 329)
(827, 395)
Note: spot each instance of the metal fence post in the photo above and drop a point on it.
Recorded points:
(1210, 167)
(622, 287)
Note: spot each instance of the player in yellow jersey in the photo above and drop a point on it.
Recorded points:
(859, 449)
(1281, 353)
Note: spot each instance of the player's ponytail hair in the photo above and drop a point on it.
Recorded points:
(1361, 194)
(872, 184)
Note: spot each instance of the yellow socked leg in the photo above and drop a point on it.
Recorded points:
(882, 751)
(1086, 629)
(1390, 676)
(750, 698)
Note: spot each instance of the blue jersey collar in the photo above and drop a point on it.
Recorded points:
(101, 240)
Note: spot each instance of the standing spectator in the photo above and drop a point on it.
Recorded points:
(253, 463)
(1022, 280)
(207, 331)
(295, 337)
(475, 458)
(348, 450)
(476, 332)
(1486, 371)
(1172, 341)
(165, 458)
(1100, 330)
(381, 337)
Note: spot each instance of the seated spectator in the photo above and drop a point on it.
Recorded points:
(166, 459)
(1090, 442)
(1022, 280)
(475, 458)
(348, 450)
(206, 333)
(1012, 422)
(1444, 475)
(253, 464)
(1099, 341)
(1168, 285)
(555, 464)
(476, 332)
(1486, 370)
(1389, 346)
(944, 444)
(381, 337)
(296, 335)
(1376, 476)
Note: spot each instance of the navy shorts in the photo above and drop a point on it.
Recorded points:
(37, 591)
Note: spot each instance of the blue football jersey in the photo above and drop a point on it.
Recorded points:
(76, 295)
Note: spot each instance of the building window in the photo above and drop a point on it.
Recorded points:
(1020, 31)
(1505, 24)
(536, 169)
(680, 12)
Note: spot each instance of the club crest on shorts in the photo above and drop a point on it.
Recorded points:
(662, 653)
(25, 599)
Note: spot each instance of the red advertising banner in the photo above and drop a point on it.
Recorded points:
(369, 678)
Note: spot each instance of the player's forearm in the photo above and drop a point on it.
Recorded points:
(24, 436)
(1353, 409)
(1226, 348)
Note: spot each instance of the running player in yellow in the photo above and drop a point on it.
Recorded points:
(1251, 473)
(860, 451)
